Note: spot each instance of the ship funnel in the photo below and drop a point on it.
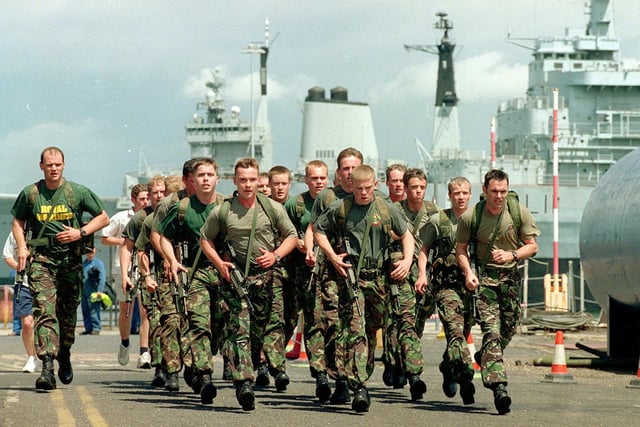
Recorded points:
(339, 94)
(316, 93)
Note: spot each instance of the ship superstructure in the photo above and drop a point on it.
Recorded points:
(226, 136)
(598, 123)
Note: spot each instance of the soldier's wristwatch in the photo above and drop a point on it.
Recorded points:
(515, 255)
(83, 233)
(277, 258)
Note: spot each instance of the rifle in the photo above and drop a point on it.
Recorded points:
(351, 279)
(315, 270)
(183, 278)
(237, 279)
(134, 275)
(472, 263)
(393, 286)
(423, 300)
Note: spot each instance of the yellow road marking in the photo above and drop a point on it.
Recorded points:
(95, 418)
(62, 412)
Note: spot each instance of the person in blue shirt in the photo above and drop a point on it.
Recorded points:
(94, 281)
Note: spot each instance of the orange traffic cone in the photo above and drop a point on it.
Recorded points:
(294, 353)
(472, 351)
(635, 383)
(559, 372)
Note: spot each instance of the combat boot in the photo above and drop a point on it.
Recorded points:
(340, 395)
(323, 389)
(282, 381)
(65, 371)
(246, 398)
(172, 383)
(159, 377)
(262, 376)
(449, 387)
(387, 375)
(196, 383)
(188, 375)
(417, 387)
(208, 390)
(467, 392)
(501, 398)
(361, 400)
(399, 378)
(46, 380)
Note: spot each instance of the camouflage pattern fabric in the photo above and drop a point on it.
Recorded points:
(151, 304)
(172, 331)
(454, 307)
(498, 308)
(272, 334)
(56, 289)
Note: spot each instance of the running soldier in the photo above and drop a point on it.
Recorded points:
(180, 243)
(503, 233)
(323, 333)
(446, 282)
(299, 211)
(50, 239)
(362, 224)
(249, 228)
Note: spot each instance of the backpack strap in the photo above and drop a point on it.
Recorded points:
(183, 206)
(300, 208)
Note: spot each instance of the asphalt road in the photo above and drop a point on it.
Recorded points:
(103, 393)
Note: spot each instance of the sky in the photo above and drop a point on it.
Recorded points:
(107, 80)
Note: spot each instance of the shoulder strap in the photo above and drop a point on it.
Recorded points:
(183, 206)
(329, 196)
(300, 208)
(383, 210)
(343, 212)
(475, 219)
(513, 204)
(265, 202)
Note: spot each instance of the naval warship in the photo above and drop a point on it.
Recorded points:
(598, 124)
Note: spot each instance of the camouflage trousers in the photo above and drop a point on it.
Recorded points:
(56, 289)
(454, 308)
(246, 329)
(202, 293)
(275, 339)
(173, 332)
(290, 298)
(425, 307)
(320, 307)
(402, 346)
(498, 308)
(151, 304)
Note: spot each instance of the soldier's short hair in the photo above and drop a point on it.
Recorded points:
(497, 174)
(51, 149)
(279, 170)
(187, 168)
(414, 173)
(457, 181)
(205, 161)
(395, 167)
(315, 164)
(246, 163)
(363, 173)
(173, 183)
(349, 152)
(155, 181)
(137, 189)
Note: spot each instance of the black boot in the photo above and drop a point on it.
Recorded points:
(387, 375)
(323, 389)
(262, 376)
(188, 375)
(467, 392)
(501, 398)
(340, 395)
(361, 400)
(159, 377)
(46, 380)
(65, 371)
(399, 378)
(449, 387)
(208, 391)
(282, 381)
(172, 383)
(246, 398)
(417, 387)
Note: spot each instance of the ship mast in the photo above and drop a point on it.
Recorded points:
(446, 130)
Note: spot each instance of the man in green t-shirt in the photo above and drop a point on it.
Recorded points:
(50, 237)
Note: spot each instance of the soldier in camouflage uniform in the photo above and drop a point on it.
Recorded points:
(254, 227)
(447, 285)
(193, 271)
(499, 245)
(175, 345)
(322, 333)
(416, 211)
(299, 209)
(156, 190)
(51, 212)
(362, 225)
